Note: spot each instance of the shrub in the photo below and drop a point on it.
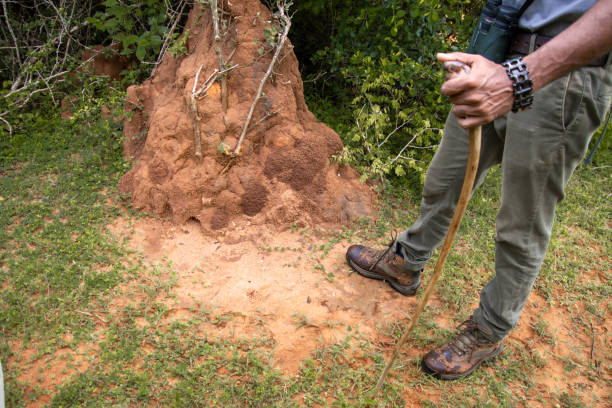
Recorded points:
(381, 72)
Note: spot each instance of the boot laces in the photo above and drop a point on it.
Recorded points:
(385, 254)
(470, 338)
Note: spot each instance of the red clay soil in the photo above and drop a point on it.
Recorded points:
(283, 174)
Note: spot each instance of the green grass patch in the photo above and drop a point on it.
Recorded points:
(57, 260)
(57, 183)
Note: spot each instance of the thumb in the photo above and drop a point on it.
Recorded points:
(456, 84)
(466, 58)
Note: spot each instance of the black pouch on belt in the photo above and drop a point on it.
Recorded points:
(496, 25)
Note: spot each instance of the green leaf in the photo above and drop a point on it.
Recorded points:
(129, 40)
(156, 40)
(223, 147)
(145, 40)
(110, 25)
(140, 53)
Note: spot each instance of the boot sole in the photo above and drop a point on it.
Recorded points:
(451, 377)
(406, 290)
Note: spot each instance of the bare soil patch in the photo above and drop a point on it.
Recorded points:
(277, 280)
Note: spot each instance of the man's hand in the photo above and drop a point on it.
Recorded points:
(483, 95)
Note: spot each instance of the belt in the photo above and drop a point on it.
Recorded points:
(525, 43)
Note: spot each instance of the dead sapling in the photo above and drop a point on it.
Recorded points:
(175, 18)
(199, 94)
(286, 23)
(219, 51)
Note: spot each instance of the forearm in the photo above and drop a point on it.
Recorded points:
(586, 39)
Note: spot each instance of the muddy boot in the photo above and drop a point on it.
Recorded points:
(462, 354)
(385, 265)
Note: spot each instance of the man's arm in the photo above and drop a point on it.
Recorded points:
(486, 93)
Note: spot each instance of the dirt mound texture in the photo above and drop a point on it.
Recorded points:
(282, 174)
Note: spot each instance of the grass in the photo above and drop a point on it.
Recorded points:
(61, 269)
(57, 199)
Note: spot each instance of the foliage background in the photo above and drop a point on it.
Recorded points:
(376, 78)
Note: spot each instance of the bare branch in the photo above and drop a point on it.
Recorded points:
(316, 78)
(195, 115)
(8, 24)
(266, 116)
(393, 132)
(6, 122)
(30, 83)
(219, 52)
(367, 146)
(287, 21)
(420, 132)
(215, 18)
(168, 38)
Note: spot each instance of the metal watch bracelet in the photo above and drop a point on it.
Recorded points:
(522, 87)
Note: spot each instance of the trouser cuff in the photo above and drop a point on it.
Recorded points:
(496, 335)
(414, 261)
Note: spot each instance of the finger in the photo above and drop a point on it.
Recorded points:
(460, 111)
(476, 110)
(466, 58)
(466, 98)
(469, 116)
(457, 83)
(460, 83)
(471, 122)
(464, 121)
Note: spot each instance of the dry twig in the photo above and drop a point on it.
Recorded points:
(168, 37)
(198, 94)
(219, 51)
(8, 24)
(195, 93)
(287, 25)
(407, 145)
(8, 125)
(93, 315)
(266, 116)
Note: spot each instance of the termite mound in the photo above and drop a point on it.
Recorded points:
(283, 173)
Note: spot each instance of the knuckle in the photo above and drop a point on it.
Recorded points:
(473, 83)
(473, 99)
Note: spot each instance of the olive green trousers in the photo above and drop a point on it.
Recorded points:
(538, 150)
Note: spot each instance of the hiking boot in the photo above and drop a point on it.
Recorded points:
(384, 265)
(462, 354)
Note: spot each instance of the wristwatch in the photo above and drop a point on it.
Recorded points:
(522, 87)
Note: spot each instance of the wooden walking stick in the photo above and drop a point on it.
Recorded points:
(452, 69)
